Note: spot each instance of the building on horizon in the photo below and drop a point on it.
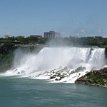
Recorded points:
(51, 34)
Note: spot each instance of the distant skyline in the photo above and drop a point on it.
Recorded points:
(69, 17)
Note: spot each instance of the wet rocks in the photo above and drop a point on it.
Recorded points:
(95, 77)
(59, 75)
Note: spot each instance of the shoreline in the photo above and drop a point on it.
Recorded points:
(94, 78)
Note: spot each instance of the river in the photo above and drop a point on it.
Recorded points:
(25, 92)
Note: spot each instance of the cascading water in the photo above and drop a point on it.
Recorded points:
(62, 64)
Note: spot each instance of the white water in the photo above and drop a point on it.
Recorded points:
(54, 62)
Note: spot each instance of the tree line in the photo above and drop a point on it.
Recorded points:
(71, 40)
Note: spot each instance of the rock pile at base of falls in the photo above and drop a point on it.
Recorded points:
(95, 77)
(58, 75)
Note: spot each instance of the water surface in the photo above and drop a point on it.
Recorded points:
(23, 92)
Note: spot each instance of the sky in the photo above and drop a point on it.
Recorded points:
(68, 17)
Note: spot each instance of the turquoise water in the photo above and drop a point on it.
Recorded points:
(23, 92)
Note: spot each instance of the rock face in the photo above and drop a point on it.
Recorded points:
(106, 52)
(95, 77)
(60, 74)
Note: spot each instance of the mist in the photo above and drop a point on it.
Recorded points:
(53, 63)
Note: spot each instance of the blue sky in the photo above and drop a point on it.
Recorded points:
(69, 17)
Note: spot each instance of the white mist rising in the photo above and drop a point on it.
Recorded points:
(53, 62)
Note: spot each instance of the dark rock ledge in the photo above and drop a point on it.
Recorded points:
(95, 77)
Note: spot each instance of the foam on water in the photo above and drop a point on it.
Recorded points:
(59, 64)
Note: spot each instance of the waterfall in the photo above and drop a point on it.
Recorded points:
(58, 64)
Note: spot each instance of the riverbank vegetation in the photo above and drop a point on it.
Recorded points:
(95, 77)
(38, 39)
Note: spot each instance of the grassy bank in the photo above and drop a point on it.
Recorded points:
(96, 77)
